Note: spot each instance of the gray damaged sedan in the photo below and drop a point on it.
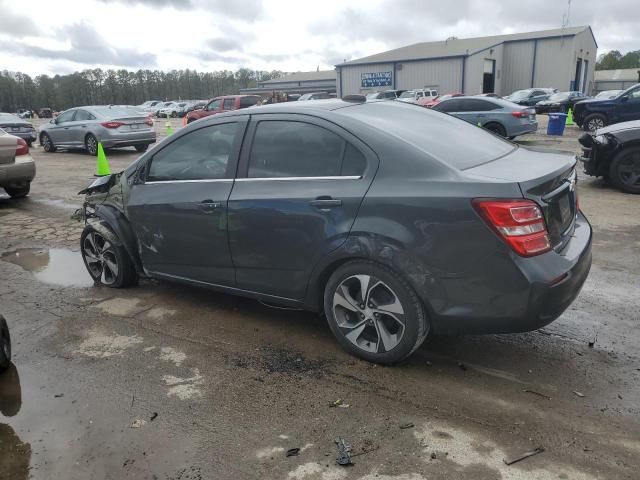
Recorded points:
(393, 220)
(83, 127)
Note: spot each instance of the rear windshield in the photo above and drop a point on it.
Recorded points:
(116, 111)
(439, 135)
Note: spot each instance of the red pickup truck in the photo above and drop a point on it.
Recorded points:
(225, 103)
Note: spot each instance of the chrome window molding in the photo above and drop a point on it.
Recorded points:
(263, 179)
(209, 180)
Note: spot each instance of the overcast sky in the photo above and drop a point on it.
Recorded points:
(62, 36)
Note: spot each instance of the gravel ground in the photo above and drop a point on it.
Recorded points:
(168, 382)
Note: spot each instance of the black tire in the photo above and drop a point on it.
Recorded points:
(18, 192)
(29, 143)
(142, 148)
(91, 144)
(100, 253)
(5, 345)
(360, 323)
(594, 121)
(624, 171)
(496, 128)
(47, 143)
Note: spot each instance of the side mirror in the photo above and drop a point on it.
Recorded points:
(624, 99)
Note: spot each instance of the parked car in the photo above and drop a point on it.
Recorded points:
(595, 113)
(385, 95)
(417, 96)
(530, 96)
(45, 113)
(148, 103)
(560, 102)
(496, 115)
(168, 110)
(17, 126)
(493, 95)
(613, 153)
(608, 94)
(434, 101)
(224, 104)
(5, 345)
(85, 127)
(394, 221)
(17, 168)
(314, 96)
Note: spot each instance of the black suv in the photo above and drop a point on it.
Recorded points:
(596, 113)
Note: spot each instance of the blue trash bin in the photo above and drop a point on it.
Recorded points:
(556, 123)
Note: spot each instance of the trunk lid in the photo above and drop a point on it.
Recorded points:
(549, 179)
(8, 144)
(133, 123)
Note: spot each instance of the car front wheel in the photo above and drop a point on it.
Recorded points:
(594, 121)
(5, 345)
(374, 313)
(108, 264)
(142, 148)
(47, 143)
(624, 171)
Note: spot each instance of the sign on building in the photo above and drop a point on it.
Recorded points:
(377, 79)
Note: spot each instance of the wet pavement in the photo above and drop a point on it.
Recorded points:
(168, 382)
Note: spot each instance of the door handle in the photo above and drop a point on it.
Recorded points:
(326, 202)
(209, 206)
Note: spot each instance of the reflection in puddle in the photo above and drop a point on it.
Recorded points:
(56, 266)
(15, 455)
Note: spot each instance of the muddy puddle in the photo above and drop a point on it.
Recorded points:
(55, 266)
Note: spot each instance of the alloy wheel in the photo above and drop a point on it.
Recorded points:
(46, 143)
(101, 258)
(595, 124)
(92, 144)
(369, 313)
(629, 170)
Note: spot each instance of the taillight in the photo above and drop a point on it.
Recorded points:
(149, 121)
(519, 223)
(520, 113)
(112, 124)
(22, 148)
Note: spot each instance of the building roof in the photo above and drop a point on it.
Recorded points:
(624, 75)
(460, 47)
(322, 75)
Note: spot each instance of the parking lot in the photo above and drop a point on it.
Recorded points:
(170, 382)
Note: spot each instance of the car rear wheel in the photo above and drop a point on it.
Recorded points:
(142, 148)
(47, 143)
(624, 171)
(374, 313)
(496, 128)
(108, 264)
(91, 144)
(19, 192)
(5, 345)
(594, 121)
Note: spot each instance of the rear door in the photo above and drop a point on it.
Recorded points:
(300, 183)
(179, 206)
(79, 128)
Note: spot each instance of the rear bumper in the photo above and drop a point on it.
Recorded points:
(523, 129)
(128, 139)
(18, 173)
(30, 136)
(540, 290)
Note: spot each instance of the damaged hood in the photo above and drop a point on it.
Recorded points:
(101, 184)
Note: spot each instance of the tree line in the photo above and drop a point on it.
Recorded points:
(120, 87)
(615, 60)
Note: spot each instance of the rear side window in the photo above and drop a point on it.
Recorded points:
(298, 149)
(477, 105)
(248, 101)
(453, 105)
(200, 155)
(228, 104)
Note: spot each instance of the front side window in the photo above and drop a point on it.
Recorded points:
(227, 104)
(66, 116)
(83, 115)
(477, 105)
(214, 105)
(452, 105)
(297, 149)
(634, 94)
(200, 155)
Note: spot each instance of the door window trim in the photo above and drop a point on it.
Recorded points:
(245, 154)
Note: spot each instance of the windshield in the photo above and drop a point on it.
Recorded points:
(408, 94)
(519, 95)
(441, 136)
(559, 97)
(373, 95)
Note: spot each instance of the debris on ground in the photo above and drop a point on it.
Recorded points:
(581, 395)
(541, 395)
(344, 452)
(433, 455)
(154, 415)
(404, 426)
(523, 456)
(58, 395)
(462, 366)
(339, 403)
(429, 364)
(137, 423)
(293, 452)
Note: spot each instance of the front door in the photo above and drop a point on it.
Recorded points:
(179, 208)
(629, 106)
(60, 130)
(304, 181)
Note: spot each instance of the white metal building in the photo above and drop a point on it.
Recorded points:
(615, 79)
(563, 59)
(298, 82)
